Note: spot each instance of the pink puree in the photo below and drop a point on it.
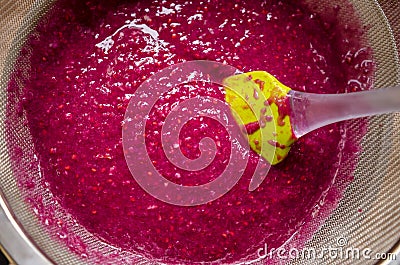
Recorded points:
(77, 94)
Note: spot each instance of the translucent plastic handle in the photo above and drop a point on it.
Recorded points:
(312, 111)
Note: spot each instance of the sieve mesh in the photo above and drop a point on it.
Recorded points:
(374, 189)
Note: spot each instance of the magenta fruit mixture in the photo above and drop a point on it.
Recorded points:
(85, 62)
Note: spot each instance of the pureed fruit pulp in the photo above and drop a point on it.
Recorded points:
(85, 62)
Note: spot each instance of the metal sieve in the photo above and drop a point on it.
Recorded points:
(375, 188)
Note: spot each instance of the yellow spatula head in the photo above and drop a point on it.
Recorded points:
(259, 104)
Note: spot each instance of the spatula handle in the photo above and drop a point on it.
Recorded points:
(311, 111)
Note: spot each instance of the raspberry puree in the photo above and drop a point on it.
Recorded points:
(88, 57)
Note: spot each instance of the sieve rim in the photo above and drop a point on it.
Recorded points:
(14, 240)
(19, 232)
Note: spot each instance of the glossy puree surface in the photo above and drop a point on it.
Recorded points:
(87, 58)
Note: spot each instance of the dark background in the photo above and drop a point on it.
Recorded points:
(3, 260)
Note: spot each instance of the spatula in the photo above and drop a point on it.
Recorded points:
(274, 116)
